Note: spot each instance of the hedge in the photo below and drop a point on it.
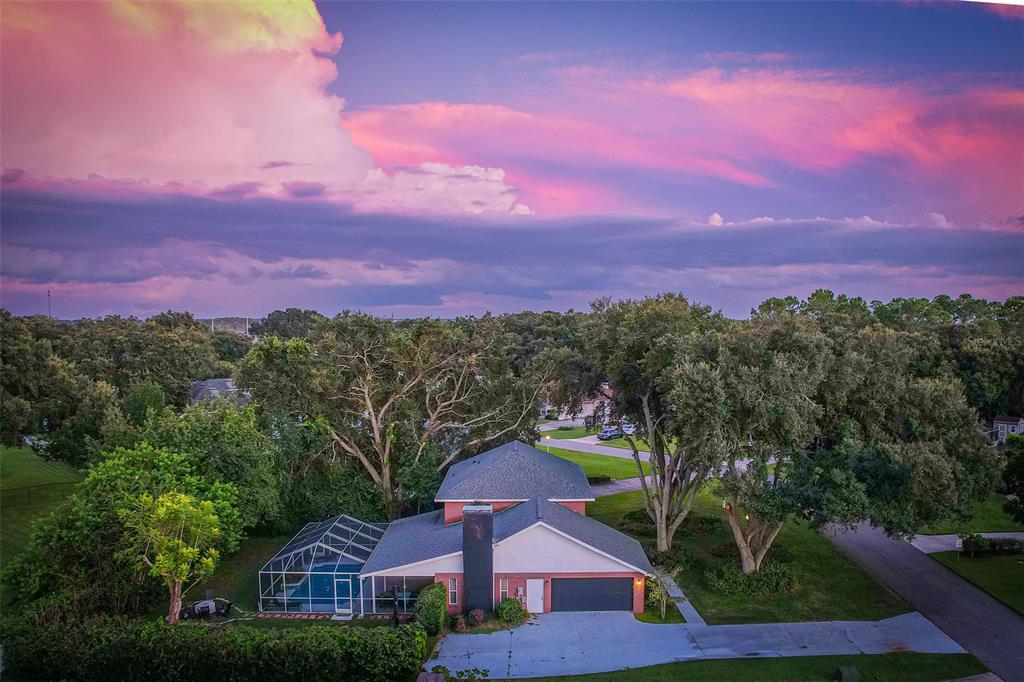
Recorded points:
(432, 608)
(118, 649)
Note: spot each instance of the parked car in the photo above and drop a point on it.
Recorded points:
(627, 428)
(609, 433)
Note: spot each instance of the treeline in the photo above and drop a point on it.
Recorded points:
(828, 409)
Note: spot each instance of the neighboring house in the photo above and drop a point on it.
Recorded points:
(1003, 426)
(513, 524)
(211, 389)
(596, 407)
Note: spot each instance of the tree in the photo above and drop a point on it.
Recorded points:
(230, 346)
(635, 345)
(744, 399)
(223, 443)
(175, 537)
(166, 349)
(80, 557)
(145, 397)
(1013, 477)
(391, 395)
(293, 323)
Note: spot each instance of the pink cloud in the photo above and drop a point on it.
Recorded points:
(735, 125)
(221, 98)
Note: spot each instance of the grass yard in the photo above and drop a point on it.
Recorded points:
(831, 585)
(237, 577)
(900, 667)
(600, 465)
(1002, 576)
(20, 467)
(988, 517)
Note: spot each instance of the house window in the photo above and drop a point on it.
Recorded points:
(502, 589)
(453, 591)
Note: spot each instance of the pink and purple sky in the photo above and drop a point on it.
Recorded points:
(435, 159)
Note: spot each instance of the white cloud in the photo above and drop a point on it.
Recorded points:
(716, 219)
(939, 220)
(439, 188)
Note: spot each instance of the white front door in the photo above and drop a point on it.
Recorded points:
(535, 595)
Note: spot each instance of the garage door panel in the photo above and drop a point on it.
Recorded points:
(591, 594)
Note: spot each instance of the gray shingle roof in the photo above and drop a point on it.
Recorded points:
(423, 537)
(514, 471)
(212, 389)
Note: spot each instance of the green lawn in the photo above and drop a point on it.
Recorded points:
(599, 465)
(900, 667)
(831, 585)
(237, 577)
(20, 467)
(1002, 576)
(988, 517)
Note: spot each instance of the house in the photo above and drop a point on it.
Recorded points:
(1003, 426)
(512, 523)
(212, 389)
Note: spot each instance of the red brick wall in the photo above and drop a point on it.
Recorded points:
(443, 579)
(580, 507)
(516, 580)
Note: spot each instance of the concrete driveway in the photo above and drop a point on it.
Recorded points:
(590, 642)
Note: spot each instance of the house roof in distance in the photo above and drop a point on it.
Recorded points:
(514, 471)
(1006, 419)
(211, 389)
(426, 536)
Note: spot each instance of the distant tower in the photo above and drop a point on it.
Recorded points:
(49, 307)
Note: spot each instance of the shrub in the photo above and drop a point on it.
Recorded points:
(674, 560)
(431, 608)
(510, 610)
(699, 526)
(458, 623)
(598, 479)
(637, 522)
(118, 649)
(655, 595)
(727, 577)
(478, 616)
(1005, 546)
(974, 544)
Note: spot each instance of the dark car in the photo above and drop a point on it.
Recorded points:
(609, 433)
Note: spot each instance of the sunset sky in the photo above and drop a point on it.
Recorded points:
(442, 159)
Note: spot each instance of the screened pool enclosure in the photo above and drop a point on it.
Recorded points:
(318, 572)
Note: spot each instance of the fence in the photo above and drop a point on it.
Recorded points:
(31, 495)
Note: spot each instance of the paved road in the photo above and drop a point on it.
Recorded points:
(947, 543)
(578, 445)
(575, 643)
(981, 624)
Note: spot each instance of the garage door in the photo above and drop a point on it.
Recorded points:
(591, 594)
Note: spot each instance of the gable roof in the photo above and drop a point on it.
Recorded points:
(514, 471)
(1005, 419)
(426, 536)
(212, 389)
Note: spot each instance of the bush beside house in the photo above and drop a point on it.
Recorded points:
(511, 610)
(118, 649)
(431, 609)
